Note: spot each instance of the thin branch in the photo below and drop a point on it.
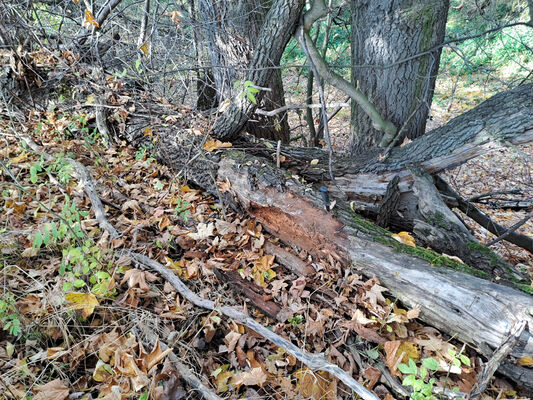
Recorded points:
(313, 361)
(499, 354)
(336, 80)
(271, 113)
(511, 229)
(324, 113)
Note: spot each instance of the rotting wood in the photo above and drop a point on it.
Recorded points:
(251, 291)
(474, 310)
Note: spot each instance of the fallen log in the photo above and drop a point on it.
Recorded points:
(458, 302)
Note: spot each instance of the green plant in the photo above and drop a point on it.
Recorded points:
(81, 257)
(417, 378)
(182, 209)
(247, 89)
(8, 317)
(296, 320)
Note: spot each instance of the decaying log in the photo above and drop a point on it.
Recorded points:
(471, 309)
(474, 310)
(251, 291)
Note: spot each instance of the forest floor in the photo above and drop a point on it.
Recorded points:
(79, 315)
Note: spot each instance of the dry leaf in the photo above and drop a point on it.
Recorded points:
(89, 20)
(405, 238)
(54, 390)
(203, 231)
(213, 144)
(256, 376)
(86, 302)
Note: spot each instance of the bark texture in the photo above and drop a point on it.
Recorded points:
(275, 32)
(384, 32)
(231, 31)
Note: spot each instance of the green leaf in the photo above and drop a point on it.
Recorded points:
(38, 240)
(430, 363)
(79, 283)
(465, 360)
(252, 98)
(33, 174)
(409, 380)
(412, 367)
(456, 362)
(373, 354)
(423, 372)
(452, 353)
(67, 286)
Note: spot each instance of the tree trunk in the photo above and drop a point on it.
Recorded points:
(231, 31)
(383, 33)
(278, 26)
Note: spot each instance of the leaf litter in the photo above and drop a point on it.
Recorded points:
(81, 315)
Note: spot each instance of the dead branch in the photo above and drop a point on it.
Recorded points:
(499, 354)
(280, 110)
(482, 219)
(511, 229)
(182, 369)
(313, 361)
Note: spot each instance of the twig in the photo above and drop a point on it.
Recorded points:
(511, 229)
(88, 186)
(489, 194)
(499, 354)
(182, 369)
(276, 111)
(313, 361)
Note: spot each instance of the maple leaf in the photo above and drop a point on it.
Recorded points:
(405, 238)
(54, 390)
(203, 231)
(256, 376)
(86, 302)
(374, 295)
(154, 357)
(213, 144)
(138, 278)
(89, 20)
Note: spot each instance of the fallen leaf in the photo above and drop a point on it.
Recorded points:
(405, 238)
(256, 376)
(54, 390)
(86, 302)
(213, 144)
(89, 20)
(203, 231)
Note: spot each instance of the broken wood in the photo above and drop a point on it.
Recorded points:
(251, 291)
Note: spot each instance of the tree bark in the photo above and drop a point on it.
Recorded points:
(384, 32)
(231, 31)
(276, 31)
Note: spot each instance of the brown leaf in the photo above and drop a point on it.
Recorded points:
(256, 376)
(54, 390)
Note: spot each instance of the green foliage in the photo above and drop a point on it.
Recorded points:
(510, 47)
(182, 209)
(247, 89)
(296, 320)
(8, 317)
(419, 378)
(81, 257)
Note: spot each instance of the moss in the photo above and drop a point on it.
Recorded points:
(476, 247)
(438, 219)
(432, 257)
(384, 236)
(525, 288)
